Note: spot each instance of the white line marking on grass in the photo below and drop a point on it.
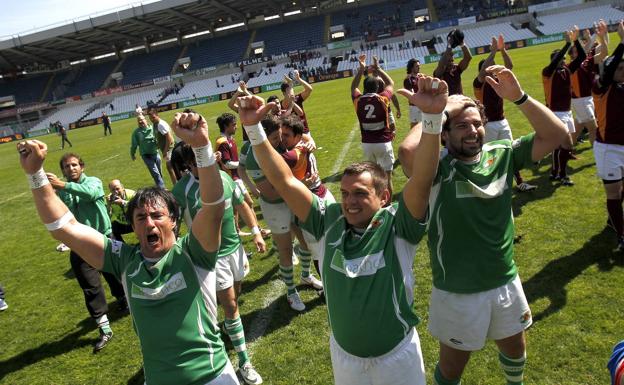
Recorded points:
(107, 159)
(263, 319)
(276, 288)
(13, 197)
(345, 149)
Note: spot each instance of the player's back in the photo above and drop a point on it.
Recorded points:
(372, 113)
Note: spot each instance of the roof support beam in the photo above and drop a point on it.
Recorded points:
(227, 9)
(31, 56)
(83, 42)
(53, 51)
(190, 18)
(166, 31)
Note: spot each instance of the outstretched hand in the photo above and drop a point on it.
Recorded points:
(32, 154)
(501, 42)
(192, 128)
(252, 109)
(620, 30)
(431, 97)
(494, 45)
(504, 82)
(362, 61)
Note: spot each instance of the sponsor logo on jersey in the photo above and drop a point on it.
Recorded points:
(358, 267)
(375, 223)
(174, 284)
(116, 247)
(489, 162)
(456, 342)
(526, 317)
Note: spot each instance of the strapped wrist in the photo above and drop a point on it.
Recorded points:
(37, 179)
(432, 123)
(255, 133)
(522, 99)
(204, 157)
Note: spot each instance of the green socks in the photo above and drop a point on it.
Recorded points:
(438, 379)
(234, 329)
(513, 368)
(286, 273)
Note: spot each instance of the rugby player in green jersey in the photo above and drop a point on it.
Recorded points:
(476, 290)
(367, 249)
(170, 284)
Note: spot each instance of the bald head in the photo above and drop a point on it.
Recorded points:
(116, 187)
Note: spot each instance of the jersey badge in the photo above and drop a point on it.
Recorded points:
(375, 223)
(116, 247)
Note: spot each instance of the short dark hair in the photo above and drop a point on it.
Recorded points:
(188, 156)
(70, 155)
(270, 124)
(371, 85)
(225, 120)
(284, 86)
(151, 196)
(481, 64)
(380, 178)
(411, 63)
(272, 98)
(474, 103)
(293, 122)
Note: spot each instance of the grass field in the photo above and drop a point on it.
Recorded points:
(571, 278)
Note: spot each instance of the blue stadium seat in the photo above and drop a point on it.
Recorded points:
(149, 65)
(218, 50)
(292, 36)
(26, 90)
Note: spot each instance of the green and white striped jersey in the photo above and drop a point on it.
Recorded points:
(471, 227)
(367, 278)
(174, 310)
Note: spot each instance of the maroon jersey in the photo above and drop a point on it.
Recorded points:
(609, 102)
(229, 152)
(373, 112)
(583, 78)
(490, 99)
(557, 88)
(299, 101)
(303, 164)
(452, 77)
(411, 83)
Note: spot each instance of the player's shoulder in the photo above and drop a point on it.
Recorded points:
(221, 140)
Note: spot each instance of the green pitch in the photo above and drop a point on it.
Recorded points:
(571, 277)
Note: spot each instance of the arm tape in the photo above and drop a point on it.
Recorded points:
(61, 222)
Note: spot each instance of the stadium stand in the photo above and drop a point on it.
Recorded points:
(295, 35)
(204, 87)
(394, 53)
(480, 36)
(65, 115)
(584, 18)
(26, 90)
(85, 80)
(218, 50)
(149, 65)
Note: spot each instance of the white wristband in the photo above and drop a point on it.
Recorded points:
(432, 123)
(38, 179)
(204, 157)
(255, 230)
(255, 133)
(59, 223)
(215, 202)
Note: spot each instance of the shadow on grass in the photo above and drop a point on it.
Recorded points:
(137, 379)
(64, 345)
(545, 188)
(551, 281)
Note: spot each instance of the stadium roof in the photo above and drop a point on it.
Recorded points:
(138, 25)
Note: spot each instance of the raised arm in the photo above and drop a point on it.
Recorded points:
(559, 56)
(467, 57)
(602, 34)
(549, 130)
(503, 50)
(431, 100)
(580, 52)
(87, 242)
(297, 196)
(193, 129)
(307, 88)
(355, 83)
(606, 79)
(240, 91)
(382, 74)
(444, 60)
(488, 60)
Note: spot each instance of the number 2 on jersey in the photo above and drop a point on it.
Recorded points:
(370, 111)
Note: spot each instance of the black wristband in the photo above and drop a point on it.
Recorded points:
(522, 99)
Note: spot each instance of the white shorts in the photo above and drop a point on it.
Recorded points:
(566, 118)
(277, 216)
(403, 365)
(231, 268)
(497, 130)
(313, 245)
(464, 321)
(241, 185)
(380, 153)
(415, 114)
(227, 376)
(609, 161)
(584, 109)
